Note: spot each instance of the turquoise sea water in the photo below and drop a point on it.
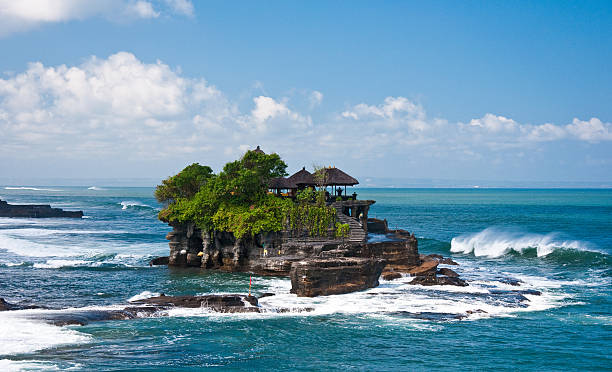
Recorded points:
(558, 242)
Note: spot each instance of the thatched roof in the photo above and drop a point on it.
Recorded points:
(281, 183)
(302, 177)
(335, 177)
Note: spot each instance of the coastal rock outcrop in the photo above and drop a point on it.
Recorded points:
(327, 276)
(228, 303)
(35, 211)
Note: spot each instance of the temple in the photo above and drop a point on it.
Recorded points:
(350, 209)
(318, 264)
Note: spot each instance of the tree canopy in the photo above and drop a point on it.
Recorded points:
(236, 199)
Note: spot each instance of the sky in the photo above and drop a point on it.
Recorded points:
(393, 92)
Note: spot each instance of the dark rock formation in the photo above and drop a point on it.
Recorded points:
(376, 226)
(439, 258)
(35, 211)
(158, 261)
(438, 280)
(390, 275)
(232, 303)
(447, 272)
(5, 306)
(427, 268)
(399, 255)
(327, 276)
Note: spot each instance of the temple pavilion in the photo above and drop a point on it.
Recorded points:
(327, 177)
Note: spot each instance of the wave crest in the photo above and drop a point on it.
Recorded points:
(134, 204)
(495, 242)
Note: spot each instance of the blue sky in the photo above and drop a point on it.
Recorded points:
(484, 91)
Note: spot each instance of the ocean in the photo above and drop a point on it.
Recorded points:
(556, 242)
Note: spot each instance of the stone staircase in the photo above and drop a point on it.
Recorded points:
(356, 232)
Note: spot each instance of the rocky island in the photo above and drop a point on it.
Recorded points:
(35, 211)
(252, 218)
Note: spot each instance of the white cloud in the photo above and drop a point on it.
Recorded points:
(546, 132)
(23, 15)
(494, 123)
(143, 9)
(315, 98)
(592, 131)
(126, 108)
(184, 7)
(267, 109)
(388, 110)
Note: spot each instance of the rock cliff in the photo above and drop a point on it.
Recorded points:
(35, 211)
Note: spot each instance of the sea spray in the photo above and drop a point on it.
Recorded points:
(496, 241)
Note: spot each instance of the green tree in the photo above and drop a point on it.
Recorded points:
(185, 184)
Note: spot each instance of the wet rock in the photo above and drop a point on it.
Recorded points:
(477, 311)
(6, 306)
(327, 276)
(232, 303)
(511, 281)
(448, 261)
(437, 257)
(35, 211)
(521, 292)
(158, 261)
(390, 275)
(438, 280)
(429, 315)
(266, 294)
(448, 272)
(426, 268)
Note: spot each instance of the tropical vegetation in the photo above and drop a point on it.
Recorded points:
(236, 199)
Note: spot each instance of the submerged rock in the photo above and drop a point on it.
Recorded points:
(6, 306)
(448, 272)
(232, 303)
(158, 261)
(328, 276)
(438, 280)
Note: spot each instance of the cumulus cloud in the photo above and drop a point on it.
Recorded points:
(592, 131)
(391, 107)
(184, 7)
(142, 9)
(22, 15)
(124, 107)
(315, 98)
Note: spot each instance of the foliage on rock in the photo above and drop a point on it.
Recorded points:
(236, 200)
(185, 184)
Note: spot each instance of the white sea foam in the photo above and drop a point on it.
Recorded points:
(496, 242)
(29, 188)
(143, 295)
(56, 264)
(131, 203)
(394, 298)
(95, 188)
(19, 335)
(8, 365)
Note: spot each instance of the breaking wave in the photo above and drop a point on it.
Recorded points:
(95, 188)
(495, 242)
(134, 204)
(19, 335)
(29, 188)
